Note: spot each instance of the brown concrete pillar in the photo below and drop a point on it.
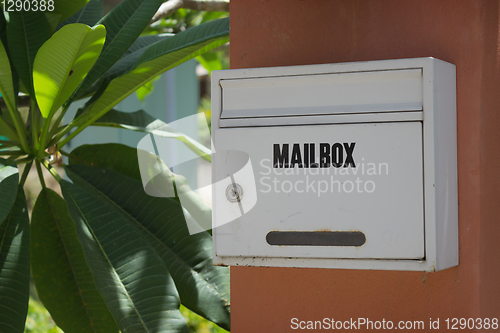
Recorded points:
(466, 33)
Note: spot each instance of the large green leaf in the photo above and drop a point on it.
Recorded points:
(125, 160)
(9, 177)
(144, 42)
(6, 85)
(14, 267)
(63, 279)
(140, 121)
(127, 61)
(114, 156)
(2, 27)
(90, 14)
(3, 39)
(26, 33)
(129, 58)
(113, 171)
(157, 59)
(7, 92)
(123, 25)
(129, 274)
(63, 62)
(6, 130)
(67, 8)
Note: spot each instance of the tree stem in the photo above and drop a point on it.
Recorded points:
(20, 161)
(20, 129)
(26, 171)
(12, 153)
(63, 133)
(171, 6)
(7, 144)
(70, 136)
(34, 124)
(51, 169)
(55, 127)
(40, 174)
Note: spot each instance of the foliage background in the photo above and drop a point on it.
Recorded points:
(34, 53)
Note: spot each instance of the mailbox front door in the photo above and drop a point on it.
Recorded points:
(322, 191)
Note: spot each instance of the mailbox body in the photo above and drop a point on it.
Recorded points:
(347, 165)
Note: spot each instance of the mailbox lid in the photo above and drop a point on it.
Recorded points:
(387, 208)
(320, 94)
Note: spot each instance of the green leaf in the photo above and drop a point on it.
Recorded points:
(161, 221)
(7, 92)
(140, 121)
(90, 14)
(26, 33)
(124, 160)
(6, 130)
(15, 267)
(210, 61)
(144, 42)
(53, 20)
(63, 62)
(146, 89)
(9, 177)
(157, 59)
(62, 277)
(129, 274)
(210, 16)
(203, 288)
(123, 25)
(6, 85)
(3, 39)
(114, 156)
(67, 8)
(2, 27)
(127, 61)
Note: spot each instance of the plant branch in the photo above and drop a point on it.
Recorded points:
(22, 160)
(171, 6)
(26, 171)
(44, 135)
(22, 101)
(60, 133)
(207, 5)
(51, 169)
(64, 153)
(12, 153)
(7, 144)
(166, 9)
(34, 124)
(19, 125)
(40, 174)
(63, 133)
(80, 124)
(69, 137)
(55, 127)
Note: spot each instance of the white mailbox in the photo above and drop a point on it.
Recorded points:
(350, 165)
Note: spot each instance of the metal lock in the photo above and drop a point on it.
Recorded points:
(234, 192)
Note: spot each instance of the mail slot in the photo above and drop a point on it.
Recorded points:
(336, 166)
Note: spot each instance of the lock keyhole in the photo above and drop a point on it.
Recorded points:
(234, 192)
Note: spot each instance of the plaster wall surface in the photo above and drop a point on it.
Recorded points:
(465, 33)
